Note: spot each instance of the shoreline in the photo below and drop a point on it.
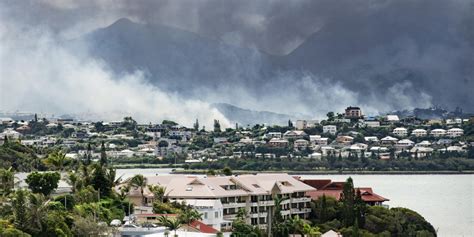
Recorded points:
(297, 172)
(336, 172)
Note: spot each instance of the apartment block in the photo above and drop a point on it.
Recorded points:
(256, 194)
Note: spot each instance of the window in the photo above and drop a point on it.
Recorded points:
(256, 185)
(216, 214)
(205, 215)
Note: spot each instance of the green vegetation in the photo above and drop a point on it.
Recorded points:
(352, 217)
(335, 163)
(40, 213)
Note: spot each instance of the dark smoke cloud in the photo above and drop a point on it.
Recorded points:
(365, 39)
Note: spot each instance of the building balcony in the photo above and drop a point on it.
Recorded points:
(230, 216)
(263, 203)
(300, 210)
(301, 199)
(234, 204)
(258, 214)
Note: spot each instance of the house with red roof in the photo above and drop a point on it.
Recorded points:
(334, 189)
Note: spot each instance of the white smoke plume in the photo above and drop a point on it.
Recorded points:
(37, 74)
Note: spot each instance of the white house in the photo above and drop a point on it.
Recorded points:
(454, 132)
(211, 210)
(371, 139)
(372, 124)
(273, 135)
(300, 144)
(388, 140)
(392, 118)
(295, 134)
(10, 133)
(405, 143)
(317, 140)
(302, 124)
(419, 132)
(401, 132)
(438, 132)
(331, 129)
(424, 144)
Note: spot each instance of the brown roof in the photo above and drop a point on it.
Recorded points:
(317, 183)
(334, 189)
(366, 193)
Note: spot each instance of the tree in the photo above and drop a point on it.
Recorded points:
(139, 181)
(7, 181)
(188, 215)
(330, 116)
(196, 125)
(360, 209)
(56, 160)
(20, 209)
(44, 183)
(72, 179)
(159, 192)
(227, 171)
(347, 199)
(290, 124)
(217, 126)
(103, 155)
(171, 224)
(100, 180)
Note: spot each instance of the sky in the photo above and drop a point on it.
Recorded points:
(38, 74)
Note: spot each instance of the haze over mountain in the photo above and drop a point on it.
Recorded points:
(298, 57)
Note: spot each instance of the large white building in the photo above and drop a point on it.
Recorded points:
(401, 132)
(331, 129)
(419, 132)
(438, 132)
(303, 124)
(227, 194)
(454, 132)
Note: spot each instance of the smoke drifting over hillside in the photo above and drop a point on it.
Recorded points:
(39, 75)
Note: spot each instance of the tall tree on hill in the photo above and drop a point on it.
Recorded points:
(217, 126)
(103, 155)
(360, 209)
(348, 201)
(196, 125)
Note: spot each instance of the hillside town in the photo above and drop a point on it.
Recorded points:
(224, 181)
(342, 135)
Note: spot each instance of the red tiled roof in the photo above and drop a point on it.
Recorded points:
(317, 183)
(203, 228)
(334, 189)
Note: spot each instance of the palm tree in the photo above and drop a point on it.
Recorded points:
(158, 191)
(112, 177)
(72, 179)
(311, 231)
(139, 181)
(7, 180)
(296, 224)
(171, 224)
(188, 216)
(56, 159)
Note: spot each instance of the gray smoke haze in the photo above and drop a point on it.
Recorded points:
(39, 75)
(379, 54)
